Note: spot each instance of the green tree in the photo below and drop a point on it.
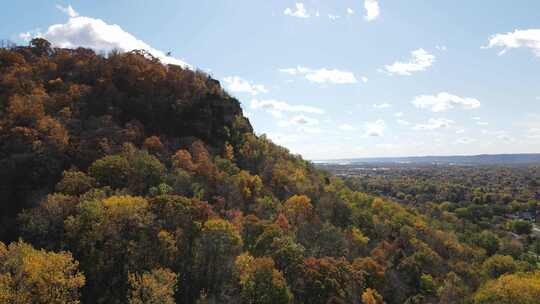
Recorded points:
(217, 247)
(427, 284)
(497, 265)
(260, 282)
(41, 46)
(111, 238)
(288, 256)
(111, 170)
(521, 227)
(43, 226)
(75, 182)
(146, 171)
(488, 241)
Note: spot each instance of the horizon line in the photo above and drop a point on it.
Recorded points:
(426, 156)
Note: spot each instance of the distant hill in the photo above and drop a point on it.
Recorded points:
(483, 159)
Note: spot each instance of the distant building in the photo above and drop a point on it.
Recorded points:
(7, 44)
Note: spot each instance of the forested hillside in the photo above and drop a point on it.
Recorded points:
(123, 180)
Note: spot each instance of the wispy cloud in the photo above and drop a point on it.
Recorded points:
(333, 17)
(387, 146)
(27, 36)
(403, 122)
(298, 12)
(434, 124)
(302, 123)
(533, 133)
(323, 75)
(445, 101)
(376, 128)
(420, 61)
(372, 9)
(68, 10)
(276, 108)
(516, 39)
(441, 48)
(465, 140)
(239, 85)
(301, 120)
(382, 106)
(346, 127)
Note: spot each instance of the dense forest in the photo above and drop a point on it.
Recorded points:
(124, 180)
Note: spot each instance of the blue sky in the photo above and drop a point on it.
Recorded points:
(336, 79)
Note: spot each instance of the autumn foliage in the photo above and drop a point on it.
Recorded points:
(147, 179)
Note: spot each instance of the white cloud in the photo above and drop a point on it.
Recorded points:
(465, 140)
(276, 107)
(350, 11)
(299, 12)
(333, 17)
(460, 131)
(346, 127)
(68, 11)
(387, 146)
(300, 120)
(302, 123)
(237, 84)
(444, 102)
(433, 124)
(441, 48)
(375, 129)
(502, 135)
(291, 71)
(505, 137)
(533, 133)
(372, 9)
(382, 106)
(364, 79)
(284, 139)
(403, 122)
(476, 118)
(323, 75)
(26, 36)
(93, 33)
(398, 114)
(482, 123)
(420, 61)
(517, 39)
